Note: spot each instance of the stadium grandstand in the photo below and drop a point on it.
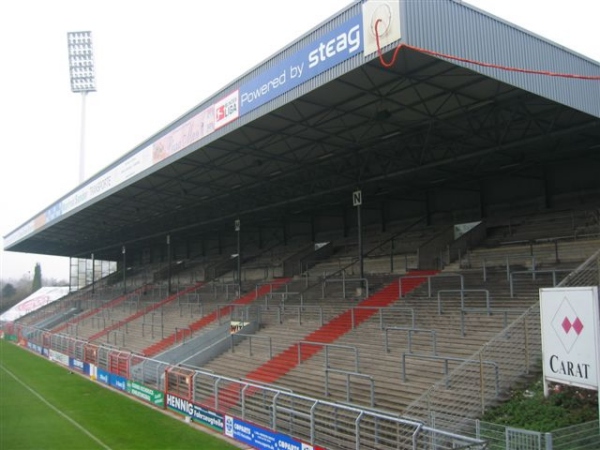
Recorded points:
(344, 247)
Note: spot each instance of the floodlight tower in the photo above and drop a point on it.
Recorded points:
(83, 80)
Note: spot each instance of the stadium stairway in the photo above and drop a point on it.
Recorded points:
(178, 336)
(284, 362)
(111, 304)
(144, 311)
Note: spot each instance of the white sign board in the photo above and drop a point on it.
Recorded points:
(35, 301)
(357, 198)
(570, 335)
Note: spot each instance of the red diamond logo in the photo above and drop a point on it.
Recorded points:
(566, 325)
(577, 326)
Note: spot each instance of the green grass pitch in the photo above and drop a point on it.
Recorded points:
(43, 406)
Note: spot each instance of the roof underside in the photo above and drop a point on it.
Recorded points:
(392, 132)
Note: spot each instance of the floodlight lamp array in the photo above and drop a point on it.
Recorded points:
(81, 61)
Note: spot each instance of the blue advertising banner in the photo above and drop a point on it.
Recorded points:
(260, 438)
(36, 348)
(103, 376)
(195, 412)
(335, 47)
(118, 382)
(79, 366)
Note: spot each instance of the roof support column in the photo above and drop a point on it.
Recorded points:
(357, 202)
(547, 189)
(284, 231)
(168, 264)
(93, 273)
(123, 251)
(384, 215)
(239, 258)
(70, 274)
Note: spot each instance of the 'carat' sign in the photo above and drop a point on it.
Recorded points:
(570, 335)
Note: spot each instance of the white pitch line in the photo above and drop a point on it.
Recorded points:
(58, 411)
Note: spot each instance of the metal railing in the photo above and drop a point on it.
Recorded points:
(326, 346)
(429, 280)
(410, 332)
(315, 421)
(504, 312)
(516, 350)
(586, 274)
(360, 283)
(463, 361)
(533, 274)
(348, 376)
(462, 297)
(250, 337)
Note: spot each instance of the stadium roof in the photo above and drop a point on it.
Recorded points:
(465, 98)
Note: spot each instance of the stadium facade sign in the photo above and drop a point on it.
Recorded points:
(332, 49)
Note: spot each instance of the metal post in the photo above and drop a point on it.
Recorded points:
(83, 80)
(548, 439)
(93, 273)
(82, 141)
(123, 250)
(239, 257)
(360, 243)
(168, 265)
(70, 274)
(357, 202)
(392, 258)
(526, 339)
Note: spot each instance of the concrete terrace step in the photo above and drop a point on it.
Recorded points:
(108, 305)
(142, 312)
(170, 340)
(288, 359)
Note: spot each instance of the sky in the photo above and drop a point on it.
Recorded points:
(155, 60)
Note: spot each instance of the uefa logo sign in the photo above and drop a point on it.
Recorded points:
(229, 426)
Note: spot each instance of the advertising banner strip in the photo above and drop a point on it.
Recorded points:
(118, 382)
(261, 438)
(196, 413)
(36, 348)
(79, 366)
(332, 49)
(59, 357)
(103, 376)
(152, 396)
